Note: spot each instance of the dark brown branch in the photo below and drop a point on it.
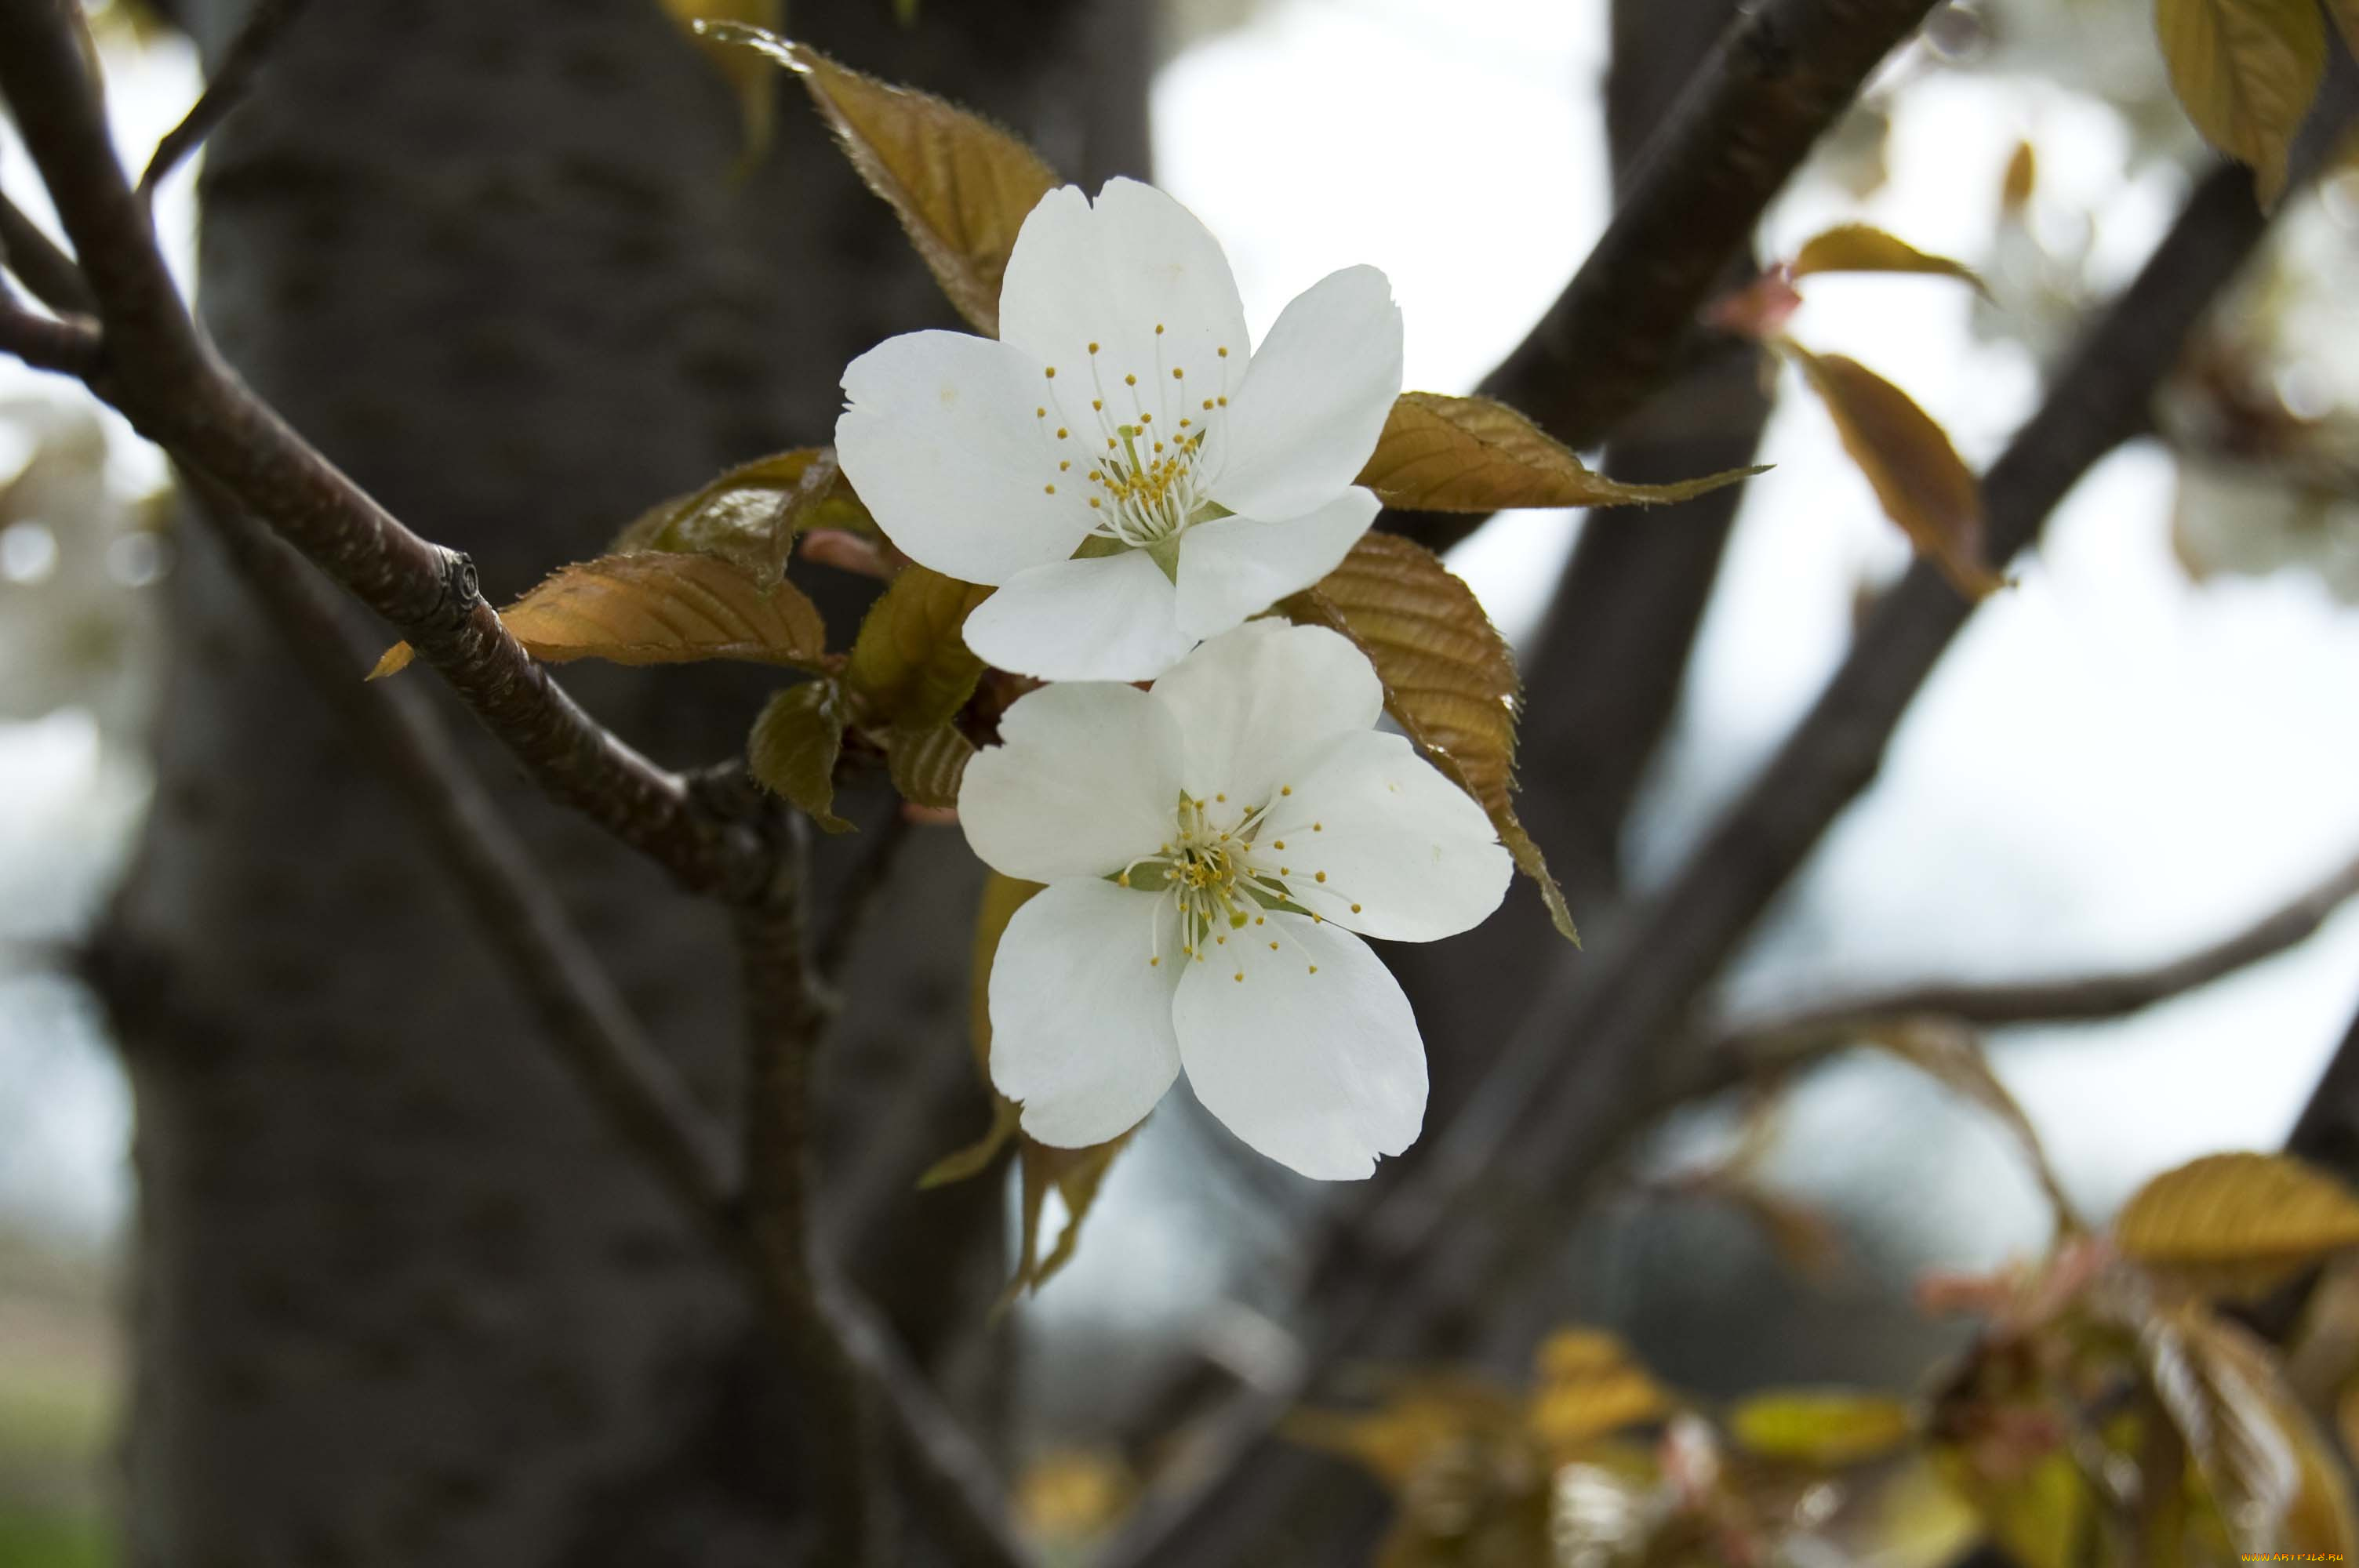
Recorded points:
(1779, 77)
(47, 272)
(2327, 1131)
(66, 348)
(784, 1023)
(241, 63)
(1392, 1282)
(166, 380)
(1745, 1052)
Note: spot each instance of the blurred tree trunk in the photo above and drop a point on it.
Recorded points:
(399, 1299)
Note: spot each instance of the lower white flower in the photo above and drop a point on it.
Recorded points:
(1209, 847)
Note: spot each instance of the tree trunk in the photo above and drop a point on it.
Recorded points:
(399, 1298)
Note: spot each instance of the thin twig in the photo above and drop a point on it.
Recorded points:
(40, 266)
(784, 1023)
(66, 348)
(863, 889)
(161, 375)
(241, 63)
(1780, 77)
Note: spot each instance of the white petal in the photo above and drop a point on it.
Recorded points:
(1407, 856)
(1107, 618)
(1110, 274)
(1085, 780)
(1259, 704)
(1080, 1022)
(941, 440)
(1239, 567)
(1315, 399)
(1322, 1071)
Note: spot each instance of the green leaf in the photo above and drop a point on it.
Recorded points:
(1470, 454)
(961, 185)
(2246, 71)
(794, 747)
(927, 765)
(752, 514)
(1450, 680)
(909, 669)
(658, 609)
(1856, 247)
(1918, 475)
(2237, 1223)
(1823, 1427)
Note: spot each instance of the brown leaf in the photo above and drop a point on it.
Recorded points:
(909, 669)
(658, 609)
(2279, 1488)
(752, 514)
(1470, 454)
(2246, 71)
(1922, 483)
(1450, 680)
(794, 746)
(2237, 1222)
(747, 76)
(1856, 247)
(961, 185)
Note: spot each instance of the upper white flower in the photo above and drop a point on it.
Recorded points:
(1122, 409)
(1209, 847)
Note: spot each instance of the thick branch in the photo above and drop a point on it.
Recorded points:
(66, 348)
(166, 380)
(1392, 1282)
(1779, 77)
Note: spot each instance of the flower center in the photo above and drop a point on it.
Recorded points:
(1223, 879)
(1145, 483)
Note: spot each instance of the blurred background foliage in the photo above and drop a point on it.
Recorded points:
(2142, 743)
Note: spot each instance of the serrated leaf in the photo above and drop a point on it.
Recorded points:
(961, 185)
(794, 746)
(908, 668)
(1918, 475)
(1952, 1057)
(2279, 1490)
(1821, 1427)
(752, 514)
(1857, 248)
(658, 609)
(1450, 680)
(753, 83)
(1470, 454)
(2246, 71)
(927, 765)
(2237, 1223)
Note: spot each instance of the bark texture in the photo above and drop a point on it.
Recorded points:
(399, 1299)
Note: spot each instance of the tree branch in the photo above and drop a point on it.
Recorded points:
(1396, 1278)
(163, 377)
(241, 63)
(41, 266)
(66, 348)
(1780, 76)
(784, 1023)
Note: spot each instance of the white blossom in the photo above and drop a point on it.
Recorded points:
(1210, 849)
(1120, 414)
